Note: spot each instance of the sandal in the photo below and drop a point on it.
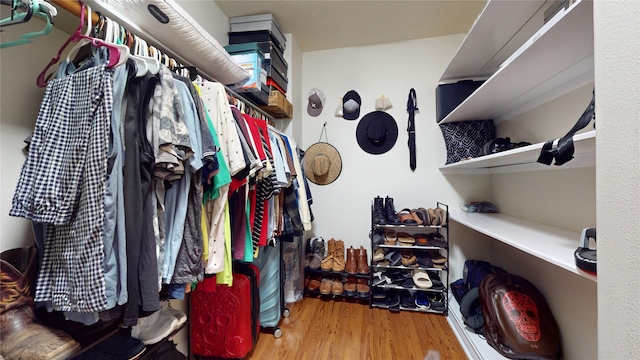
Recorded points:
(427, 217)
(421, 279)
(422, 239)
(441, 214)
(409, 260)
(390, 237)
(406, 218)
(417, 216)
(405, 239)
(437, 240)
(432, 216)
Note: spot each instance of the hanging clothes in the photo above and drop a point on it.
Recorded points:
(62, 184)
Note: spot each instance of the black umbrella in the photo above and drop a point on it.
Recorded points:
(411, 128)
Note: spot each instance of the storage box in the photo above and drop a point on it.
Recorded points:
(449, 96)
(278, 105)
(274, 60)
(261, 22)
(253, 63)
(254, 36)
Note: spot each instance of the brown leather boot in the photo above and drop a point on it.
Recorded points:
(338, 258)
(327, 263)
(362, 263)
(351, 266)
(363, 288)
(22, 336)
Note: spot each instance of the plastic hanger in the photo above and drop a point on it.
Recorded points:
(114, 52)
(21, 17)
(112, 35)
(142, 51)
(82, 42)
(40, 9)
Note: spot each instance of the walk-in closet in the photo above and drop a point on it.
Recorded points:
(342, 180)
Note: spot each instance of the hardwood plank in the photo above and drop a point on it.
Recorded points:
(341, 330)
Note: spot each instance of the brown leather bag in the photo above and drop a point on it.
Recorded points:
(517, 320)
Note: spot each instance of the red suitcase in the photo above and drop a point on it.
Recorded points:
(225, 319)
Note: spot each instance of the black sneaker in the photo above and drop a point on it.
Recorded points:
(437, 302)
(406, 300)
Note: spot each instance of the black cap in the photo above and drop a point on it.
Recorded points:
(351, 105)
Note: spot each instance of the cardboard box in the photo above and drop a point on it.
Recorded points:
(278, 106)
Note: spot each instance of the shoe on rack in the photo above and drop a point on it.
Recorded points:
(422, 300)
(379, 278)
(437, 239)
(378, 254)
(350, 287)
(327, 262)
(155, 327)
(314, 283)
(377, 236)
(326, 286)
(437, 302)
(390, 237)
(337, 288)
(362, 261)
(338, 256)
(121, 346)
(378, 211)
(317, 251)
(390, 212)
(351, 265)
(168, 310)
(362, 287)
(406, 300)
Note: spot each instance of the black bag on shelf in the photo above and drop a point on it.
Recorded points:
(466, 139)
(563, 152)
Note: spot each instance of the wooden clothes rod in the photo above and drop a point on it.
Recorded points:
(74, 7)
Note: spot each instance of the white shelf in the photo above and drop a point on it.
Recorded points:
(555, 60)
(551, 244)
(475, 346)
(524, 159)
(493, 38)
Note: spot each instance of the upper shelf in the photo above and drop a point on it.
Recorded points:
(493, 38)
(525, 159)
(555, 60)
(548, 243)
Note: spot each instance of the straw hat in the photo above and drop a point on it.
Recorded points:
(322, 163)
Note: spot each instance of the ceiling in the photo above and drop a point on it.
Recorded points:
(330, 24)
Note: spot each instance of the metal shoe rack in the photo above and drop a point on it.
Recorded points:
(385, 288)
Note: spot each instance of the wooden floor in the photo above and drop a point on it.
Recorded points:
(327, 329)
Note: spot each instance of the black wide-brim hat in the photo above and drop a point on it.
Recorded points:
(377, 132)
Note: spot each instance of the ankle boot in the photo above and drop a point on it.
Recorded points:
(351, 265)
(22, 336)
(390, 212)
(327, 263)
(338, 256)
(378, 211)
(362, 264)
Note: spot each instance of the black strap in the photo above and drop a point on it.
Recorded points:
(563, 152)
(411, 128)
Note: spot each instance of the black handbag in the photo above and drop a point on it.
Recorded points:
(466, 139)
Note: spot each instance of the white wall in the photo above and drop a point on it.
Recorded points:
(617, 56)
(343, 209)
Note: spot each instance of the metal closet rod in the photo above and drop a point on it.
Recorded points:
(75, 8)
